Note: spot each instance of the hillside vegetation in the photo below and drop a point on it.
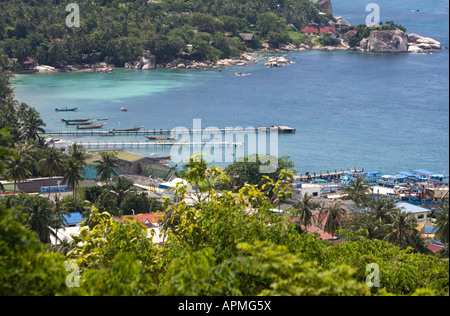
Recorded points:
(118, 31)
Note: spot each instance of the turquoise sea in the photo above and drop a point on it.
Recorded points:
(386, 112)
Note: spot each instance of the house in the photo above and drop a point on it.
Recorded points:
(310, 30)
(301, 189)
(351, 32)
(29, 64)
(151, 222)
(417, 212)
(129, 163)
(248, 38)
(328, 30)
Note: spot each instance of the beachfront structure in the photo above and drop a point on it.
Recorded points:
(299, 191)
(421, 214)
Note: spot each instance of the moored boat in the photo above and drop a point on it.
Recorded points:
(134, 129)
(76, 120)
(66, 109)
(80, 122)
(160, 138)
(91, 126)
(161, 157)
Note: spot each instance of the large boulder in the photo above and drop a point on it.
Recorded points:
(387, 41)
(145, 62)
(325, 6)
(420, 44)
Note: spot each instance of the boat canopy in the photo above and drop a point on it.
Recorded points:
(424, 172)
(372, 173)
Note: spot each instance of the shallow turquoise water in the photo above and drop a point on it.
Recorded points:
(371, 111)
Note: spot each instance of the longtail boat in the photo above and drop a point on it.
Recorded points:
(134, 129)
(91, 126)
(76, 120)
(66, 109)
(80, 122)
(160, 138)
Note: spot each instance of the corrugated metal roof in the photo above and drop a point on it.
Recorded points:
(411, 209)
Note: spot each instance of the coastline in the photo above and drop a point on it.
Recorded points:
(414, 44)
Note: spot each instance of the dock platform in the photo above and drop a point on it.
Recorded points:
(279, 129)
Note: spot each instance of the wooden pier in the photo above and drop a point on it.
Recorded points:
(122, 145)
(279, 129)
(325, 175)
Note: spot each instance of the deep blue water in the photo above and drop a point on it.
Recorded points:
(386, 112)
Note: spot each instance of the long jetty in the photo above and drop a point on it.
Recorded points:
(324, 175)
(121, 145)
(279, 129)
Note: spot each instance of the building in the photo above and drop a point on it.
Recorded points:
(248, 38)
(151, 222)
(310, 30)
(301, 189)
(419, 213)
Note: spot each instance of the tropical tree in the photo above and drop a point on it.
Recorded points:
(358, 191)
(51, 164)
(38, 216)
(304, 208)
(334, 214)
(121, 187)
(32, 125)
(106, 166)
(73, 174)
(402, 231)
(381, 210)
(442, 224)
(18, 169)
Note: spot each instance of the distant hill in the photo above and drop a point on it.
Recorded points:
(118, 31)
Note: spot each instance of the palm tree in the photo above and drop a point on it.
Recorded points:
(358, 191)
(38, 216)
(121, 187)
(402, 231)
(32, 125)
(73, 174)
(442, 224)
(304, 209)
(18, 169)
(106, 165)
(381, 210)
(335, 214)
(52, 164)
(78, 153)
(58, 220)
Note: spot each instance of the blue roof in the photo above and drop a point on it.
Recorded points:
(374, 172)
(411, 208)
(73, 218)
(425, 172)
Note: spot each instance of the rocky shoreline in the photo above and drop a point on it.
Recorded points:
(386, 41)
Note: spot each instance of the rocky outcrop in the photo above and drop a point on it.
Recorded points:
(325, 6)
(145, 62)
(277, 62)
(45, 68)
(420, 44)
(386, 41)
(397, 41)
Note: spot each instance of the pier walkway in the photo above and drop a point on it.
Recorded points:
(122, 145)
(279, 129)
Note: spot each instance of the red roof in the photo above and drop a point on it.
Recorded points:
(435, 248)
(327, 29)
(310, 29)
(352, 32)
(146, 219)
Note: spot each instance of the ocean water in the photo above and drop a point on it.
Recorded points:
(386, 112)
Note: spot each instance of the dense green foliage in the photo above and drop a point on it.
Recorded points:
(117, 31)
